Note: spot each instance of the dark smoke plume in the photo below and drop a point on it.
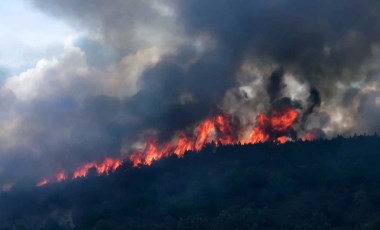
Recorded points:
(187, 59)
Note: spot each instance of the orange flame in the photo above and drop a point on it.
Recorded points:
(108, 165)
(217, 129)
(259, 135)
(184, 144)
(150, 153)
(203, 134)
(269, 127)
(225, 129)
(282, 121)
(82, 171)
(137, 157)
(281, 140)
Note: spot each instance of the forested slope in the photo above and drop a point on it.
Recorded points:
(326, 184)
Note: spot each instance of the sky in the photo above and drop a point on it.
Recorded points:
(85, 80)
(28, 35)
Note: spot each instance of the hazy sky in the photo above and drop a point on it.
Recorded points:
(27, 35)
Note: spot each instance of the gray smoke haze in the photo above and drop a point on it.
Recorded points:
(161, 66)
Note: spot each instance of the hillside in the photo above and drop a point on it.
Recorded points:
(326, 184)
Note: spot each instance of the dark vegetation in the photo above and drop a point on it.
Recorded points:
(302, 185)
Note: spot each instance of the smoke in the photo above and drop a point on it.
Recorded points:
(276, 85)
(151, 67)
(314, 101)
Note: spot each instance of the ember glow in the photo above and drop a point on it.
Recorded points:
(281, 140)
(61, 176)
(308, 137)
(43, 182)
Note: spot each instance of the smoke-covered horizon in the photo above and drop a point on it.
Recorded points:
(155, 68)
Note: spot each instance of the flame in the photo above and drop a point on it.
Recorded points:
(267, 125)
(82, 170)
(137, 157)
(274, 126)
(108, 165)
(60, 176)
(258, 133)
(220, 130)
(281, 140)
(43, 182)
(203, 134)
(104, 167)
(225, 129)
(150, 153)
(184, 144)
(282, 121)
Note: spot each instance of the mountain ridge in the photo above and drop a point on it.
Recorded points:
(324, 184)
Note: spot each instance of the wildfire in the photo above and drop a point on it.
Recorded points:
(274, 126)
(308, 137)
(203, 134)
(82, 170)
(43, 182)
(281, 140)
(282, 121)
(184, 144)
(108, 165)
(224, 126)
(259, 133)
(60, 176)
